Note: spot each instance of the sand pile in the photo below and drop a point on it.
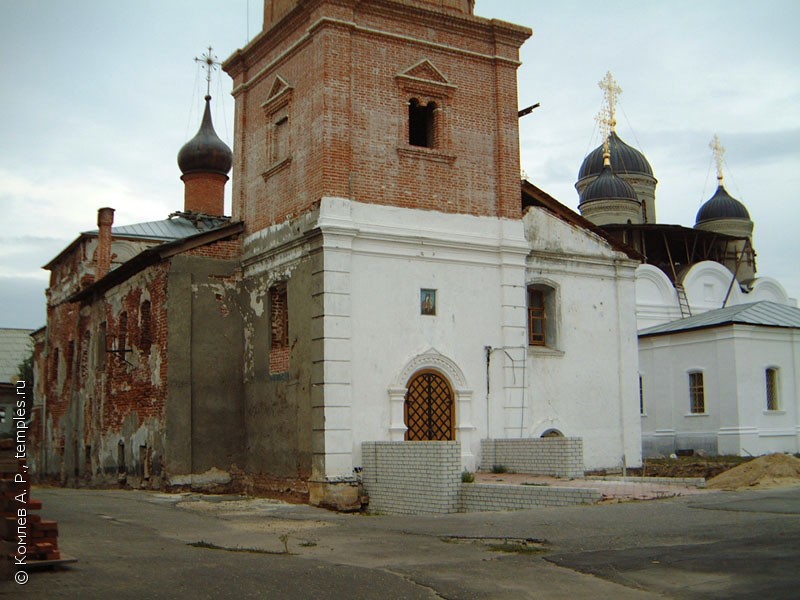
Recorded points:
(772, 470)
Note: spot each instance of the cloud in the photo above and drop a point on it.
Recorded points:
(23, 302)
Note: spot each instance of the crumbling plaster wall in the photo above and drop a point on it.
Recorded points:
(278, 405)
(204, 418)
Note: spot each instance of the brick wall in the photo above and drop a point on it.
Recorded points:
(557, 456)
(103, 369)
(339, 78)
(412, 477)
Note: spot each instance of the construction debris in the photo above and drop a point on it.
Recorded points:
(772, 470)
(26, 537)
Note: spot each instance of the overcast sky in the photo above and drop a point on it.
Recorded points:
(99, 96)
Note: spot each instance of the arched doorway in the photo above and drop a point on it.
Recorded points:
(429, 409)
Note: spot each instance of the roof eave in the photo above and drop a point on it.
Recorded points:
(153, 255)
(565, 213)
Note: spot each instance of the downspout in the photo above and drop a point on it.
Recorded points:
(619, 370)
(488, 350)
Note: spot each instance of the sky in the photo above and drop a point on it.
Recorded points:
(99, 96)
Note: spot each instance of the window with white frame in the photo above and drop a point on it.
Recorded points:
(697, 395)
(542, 322)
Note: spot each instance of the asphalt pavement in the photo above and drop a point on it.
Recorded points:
(137, 544)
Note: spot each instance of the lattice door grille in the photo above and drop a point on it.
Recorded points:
(429, 408)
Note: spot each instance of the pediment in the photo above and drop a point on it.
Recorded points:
(279, 95)
(278, 86)
(426, 71)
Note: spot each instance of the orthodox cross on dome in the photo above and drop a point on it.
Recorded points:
(606, 117)
(210, 63)
(719, 154)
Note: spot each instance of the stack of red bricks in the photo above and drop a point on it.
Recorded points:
(20, 527)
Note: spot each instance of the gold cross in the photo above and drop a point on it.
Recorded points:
(611, 92)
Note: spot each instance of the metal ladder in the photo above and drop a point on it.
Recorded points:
(683, 301)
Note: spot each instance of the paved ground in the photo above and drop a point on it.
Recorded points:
(612, 489)
(135, 544)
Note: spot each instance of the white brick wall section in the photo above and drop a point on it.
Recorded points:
(412, 477)
(425, 477)
(561, 457)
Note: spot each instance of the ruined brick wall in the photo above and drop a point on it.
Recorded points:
(222, 250)
(322, 109)
(103, 366)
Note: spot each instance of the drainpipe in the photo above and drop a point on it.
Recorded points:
(488, 350)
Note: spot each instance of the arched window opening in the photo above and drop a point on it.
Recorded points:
(145, 327)
(552, 433)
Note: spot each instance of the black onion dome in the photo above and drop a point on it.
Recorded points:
(205, 152)
(722, 206)
(608, 186)
(625, 159)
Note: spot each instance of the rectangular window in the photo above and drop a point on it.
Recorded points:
(279, 329)
(697, 400)
(280, 139)
(421, 123)
(772, 389)
(537, 318)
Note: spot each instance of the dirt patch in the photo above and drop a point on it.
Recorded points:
(688, 466)
(772, 470)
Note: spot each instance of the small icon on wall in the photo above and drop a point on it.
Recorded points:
(427, 302)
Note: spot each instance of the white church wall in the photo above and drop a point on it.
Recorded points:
(656, 298)
(758, 349)
(377, 259)
(392, 254)
(767, 288)
(733, 360)
(665, 363)
(707, 284)
(587, 385)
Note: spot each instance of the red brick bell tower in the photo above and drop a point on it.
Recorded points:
(409, 103)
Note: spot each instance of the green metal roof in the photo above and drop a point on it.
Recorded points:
(764, 314)
(174, 228)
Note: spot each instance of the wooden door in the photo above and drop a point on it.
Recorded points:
(429, 408)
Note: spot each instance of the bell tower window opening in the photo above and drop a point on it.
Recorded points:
(422, 123)
(280, 139)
